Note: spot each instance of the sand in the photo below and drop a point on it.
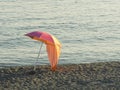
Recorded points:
(92, 76)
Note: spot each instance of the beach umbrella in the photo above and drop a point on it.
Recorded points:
(53, 46)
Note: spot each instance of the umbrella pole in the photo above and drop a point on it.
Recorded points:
(38, 55)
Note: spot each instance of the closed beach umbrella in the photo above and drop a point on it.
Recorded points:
(53, 46)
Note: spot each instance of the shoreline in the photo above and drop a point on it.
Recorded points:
(67, 77)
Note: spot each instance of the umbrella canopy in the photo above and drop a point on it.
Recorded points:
(53, 46)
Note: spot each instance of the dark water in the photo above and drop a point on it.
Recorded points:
(88, 30)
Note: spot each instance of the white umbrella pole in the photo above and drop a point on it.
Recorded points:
(39, 53)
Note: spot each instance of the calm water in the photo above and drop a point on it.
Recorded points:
(89, 30)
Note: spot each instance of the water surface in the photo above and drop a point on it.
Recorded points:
(88, 30)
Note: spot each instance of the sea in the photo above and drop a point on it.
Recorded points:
(89, 30)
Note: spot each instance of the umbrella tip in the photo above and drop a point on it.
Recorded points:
(25, 34)
(53, 68)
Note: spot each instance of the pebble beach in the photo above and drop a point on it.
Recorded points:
(90, 76)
